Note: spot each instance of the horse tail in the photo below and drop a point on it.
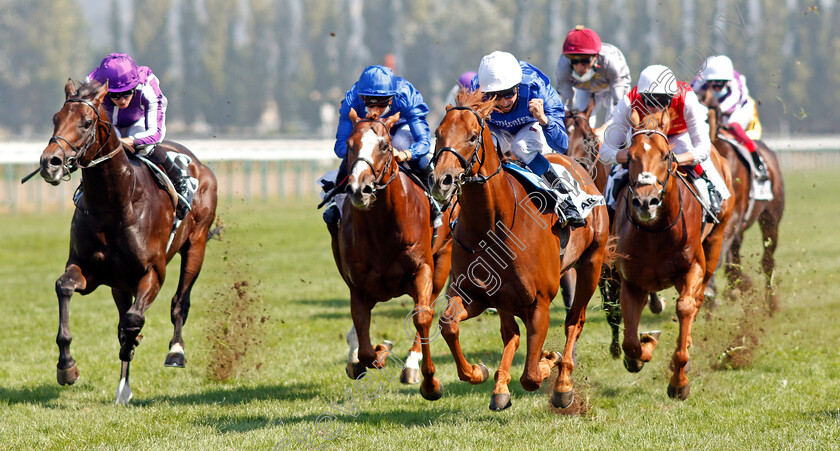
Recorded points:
(612, 253)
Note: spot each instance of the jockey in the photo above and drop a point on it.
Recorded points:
(464, 82)
(137, 109)
(736, 106)
(688, 133)
(589, 69)
(528, 119)
(381, 92)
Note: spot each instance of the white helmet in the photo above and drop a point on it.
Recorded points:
(657, 79)
(718, 68)
(499, 71)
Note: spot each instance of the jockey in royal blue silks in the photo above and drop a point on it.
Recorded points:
(528, 119)
(380, 91)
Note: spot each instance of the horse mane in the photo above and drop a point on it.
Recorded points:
(475, 100)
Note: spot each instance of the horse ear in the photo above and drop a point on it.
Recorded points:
(665, 120)
(69, 88)
(449, 107)
(100, 95)
(354, 117)
(392, 120)
(635, 118)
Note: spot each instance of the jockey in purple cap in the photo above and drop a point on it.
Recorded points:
(380, 91)
(137, 109)
(464, 82)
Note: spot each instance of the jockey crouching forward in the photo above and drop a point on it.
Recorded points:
(589, 69)
(688, 133)
(137, 108)
(379, 91)
(528, 120)
(736, 106)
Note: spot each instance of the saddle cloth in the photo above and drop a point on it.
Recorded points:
(584, 201)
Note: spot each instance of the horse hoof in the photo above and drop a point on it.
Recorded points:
(68, 376)
(175, 360)
(354, 370)
(562, 400)
(633, 365)
(615, 350)
(410, 376)
(485, 374)
(679, 393)
(433, 396)
(499, 401)
(657, 304)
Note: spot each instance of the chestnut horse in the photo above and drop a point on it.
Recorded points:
(519, 271)
(120, 238)
(384, 247)
(747, 211)
(662, 242)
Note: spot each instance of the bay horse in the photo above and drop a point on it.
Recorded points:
(747, 211)
(119, 239)
(384, 247)
(519, 271)
(663, 242)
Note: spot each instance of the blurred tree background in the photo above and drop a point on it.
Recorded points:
(272, 67)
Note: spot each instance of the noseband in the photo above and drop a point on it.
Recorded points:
(377, 177)
(72, 163)
(474, 158)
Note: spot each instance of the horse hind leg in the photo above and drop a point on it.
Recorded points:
(71, 281)
(610, 290)
(770, 233)
(192, 259)
(500, 399)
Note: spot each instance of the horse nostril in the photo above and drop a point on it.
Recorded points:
(654, 202)
(55, 161)
(636, 203)
(446, 180)
(367, 189)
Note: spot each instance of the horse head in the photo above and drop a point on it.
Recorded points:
(460, 146)
(370, 158)
(651, 163)
(77, 128)
(583, 142)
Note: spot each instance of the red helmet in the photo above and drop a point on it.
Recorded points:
(583, 41)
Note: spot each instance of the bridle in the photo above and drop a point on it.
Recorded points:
(474, 157)
(72, 163)
(376, 185)
(631, 192)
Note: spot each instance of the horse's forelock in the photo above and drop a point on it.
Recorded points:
(475, 100)
(88, 90)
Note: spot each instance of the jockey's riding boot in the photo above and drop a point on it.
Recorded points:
(715, 199)
(760, 167)
(567, 207)
(425, 174)
(185, 194)
(332, 214)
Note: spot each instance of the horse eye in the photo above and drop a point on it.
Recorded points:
(474, 137)
(88, 123)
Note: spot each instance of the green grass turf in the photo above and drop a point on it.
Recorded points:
(787, 398)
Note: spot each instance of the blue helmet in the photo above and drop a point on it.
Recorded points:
(378, 81)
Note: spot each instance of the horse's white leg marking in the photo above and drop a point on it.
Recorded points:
(123, 393)
(176, 349)
(353, 342)
(413, 360)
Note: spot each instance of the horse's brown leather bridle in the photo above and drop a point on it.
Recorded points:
(388, 164)
(631, 192)
(474, 158)
(71, 163)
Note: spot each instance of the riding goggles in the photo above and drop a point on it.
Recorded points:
(717, 84)
(656, 101)
(121, 95)
(376, 101)
(579, 60)
(506, 94)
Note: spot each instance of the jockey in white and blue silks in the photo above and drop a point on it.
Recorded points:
(137, 108)
(590, 69)
(380, 91)
(688, 132)
(528, 119)
(736, 106)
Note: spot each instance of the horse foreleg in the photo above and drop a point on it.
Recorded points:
(510, 339)
(422, 316)
(537, 366)
(71, 281)
(192, 259)
(131, 322)
(369, 357)
(688, 304)
(456, 312)
(636, 353)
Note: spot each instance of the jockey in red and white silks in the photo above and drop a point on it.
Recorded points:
(688, 132)
(589, 68)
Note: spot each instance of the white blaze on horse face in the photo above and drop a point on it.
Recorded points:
(370, 142)
(647, 147)
(646, 178)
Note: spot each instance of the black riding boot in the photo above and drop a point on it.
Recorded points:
(331, 213)
(760, 167)
(714, 198)
(173, 171)
(572, 216)
(425, 175)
